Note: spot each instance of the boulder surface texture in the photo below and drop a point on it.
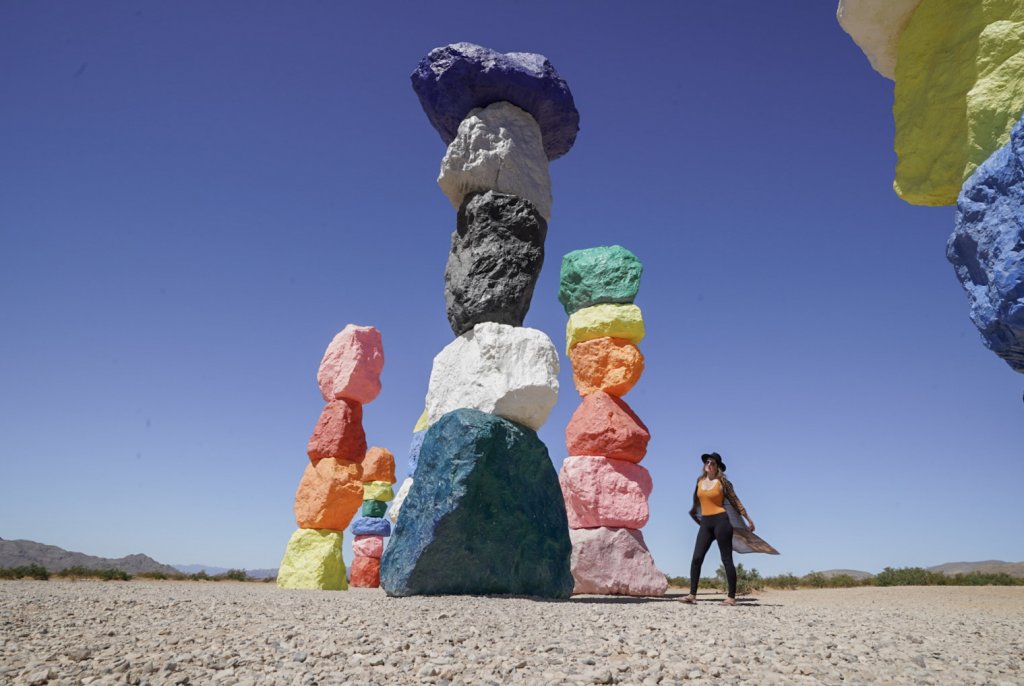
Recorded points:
(612, 365)
(508, 371)
(414, 449)
(365, 572)
(453, 80)
(378, 490)
(338, 432)
(875, 26)
(497, 252)
(606, 274)
(329, 494)
(987, 249)
(959, 91)
(379, 465)
(313, 560)
(600, 491)
(352, 364)
(605, 425)
(368, 546)
(373, 508)
(485, 515)
(598, 321)
(611, 561)
(396, 505)
(371, 526)
(499, 148)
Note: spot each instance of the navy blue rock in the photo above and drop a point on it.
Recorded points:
(371, 526)
(485, 515)
(457, 78)
(987, 248)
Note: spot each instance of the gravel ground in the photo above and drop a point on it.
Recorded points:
(225, 633)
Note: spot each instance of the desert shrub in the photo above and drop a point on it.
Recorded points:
(985, 579)
(87, 573)
(909, 576)
(235, 575)
(33, 571)
(747, 580)
(784, 581)
(201, 575)
(678, 581)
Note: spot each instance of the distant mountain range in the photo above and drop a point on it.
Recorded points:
(54, 559)
(987, 566)
(214, 571)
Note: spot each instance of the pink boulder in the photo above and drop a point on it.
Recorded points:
(368, 546)
(600, 491)
(614, 562)
(352, 364)
(365, 572)
(605, 425)
(329, 494)
(338, 433)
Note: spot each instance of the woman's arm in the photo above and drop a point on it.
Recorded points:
(696, 504)
(730, 493)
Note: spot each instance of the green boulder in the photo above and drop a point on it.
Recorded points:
(608, 274)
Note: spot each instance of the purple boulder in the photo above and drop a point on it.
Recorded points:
(457, 78)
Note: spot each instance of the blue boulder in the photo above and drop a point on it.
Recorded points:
(987, 248)
(414, 450)
(484, 516)
(371, 526)
(457, 78)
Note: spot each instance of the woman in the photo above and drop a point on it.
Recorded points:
(709, 511)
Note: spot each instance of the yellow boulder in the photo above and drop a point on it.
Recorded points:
(609, 319)
(959, 91)
(378, 490)
(422, 422)
(313, 560)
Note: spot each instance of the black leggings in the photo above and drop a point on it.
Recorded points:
(714, 528)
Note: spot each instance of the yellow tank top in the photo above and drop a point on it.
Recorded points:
(710, 500)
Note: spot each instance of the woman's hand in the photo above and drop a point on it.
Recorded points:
(750, 524)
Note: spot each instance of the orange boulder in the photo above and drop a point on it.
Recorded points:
(606, 426)
(338, 433)
(329, 495)
(379, 465)
(612, 365)
(365, 572)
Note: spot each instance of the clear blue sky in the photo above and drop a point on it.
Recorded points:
(194, 197)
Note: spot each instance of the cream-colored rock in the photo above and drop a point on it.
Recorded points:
(510, 371)
(498, 148)
(396, 504)
(607, 319)
(875, 26)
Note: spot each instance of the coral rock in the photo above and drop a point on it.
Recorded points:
(508, 371)
(453, 80)
(497, 148)
(497, 251)
(313, 560)
(614, 562)
(612, 365)
(607, 274)
(599, 321)
(485, 516)
(875, 26)
(339, 432)
(368, 546)
(605, 425)
(365, 572)
(352, 365)
(603, 492)
(329, 494)
(379, 465)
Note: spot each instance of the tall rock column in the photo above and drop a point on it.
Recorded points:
(482, 512)
(372, 527)
(331, 489)
(604, 486)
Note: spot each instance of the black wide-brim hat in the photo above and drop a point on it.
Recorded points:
(713, 456)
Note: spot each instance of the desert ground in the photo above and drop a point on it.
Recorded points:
(229, 633)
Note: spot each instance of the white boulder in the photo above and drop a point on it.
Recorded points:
(396, 504)
(510, 371)
(875, 26)
(498, 148)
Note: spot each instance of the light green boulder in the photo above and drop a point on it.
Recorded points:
(959, 91)
(378, 490)
(313, 560)
(617, 321)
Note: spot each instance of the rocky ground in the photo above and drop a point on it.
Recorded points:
(224, 633)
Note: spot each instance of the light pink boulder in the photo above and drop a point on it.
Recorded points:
(368, 546)
(600, 491)
(614, 562)
(352, 364)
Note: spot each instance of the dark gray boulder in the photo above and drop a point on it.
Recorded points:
(496, 255)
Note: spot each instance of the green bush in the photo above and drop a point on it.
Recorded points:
(104, 574)
(747, 580)
(201, 575)
(235, 575)
(782, 581)
(33, 571)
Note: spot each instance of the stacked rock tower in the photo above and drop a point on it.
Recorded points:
(483, 512)
(372, 528)
(604, 486)
(331, 489)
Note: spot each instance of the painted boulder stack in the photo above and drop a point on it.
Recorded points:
(370, 529)
(331, 489)
(481, 512)
(604, 487)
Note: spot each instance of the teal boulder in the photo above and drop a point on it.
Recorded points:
(609, 274)
(485, 515)
(374, 508)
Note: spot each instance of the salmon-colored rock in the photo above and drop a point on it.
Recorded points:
(338, 433)
(352, 364)
(599, 491)
(368, 546)
(605, 425)
(379, 465)
(612, 365)
(329, 494)
(365, 572)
